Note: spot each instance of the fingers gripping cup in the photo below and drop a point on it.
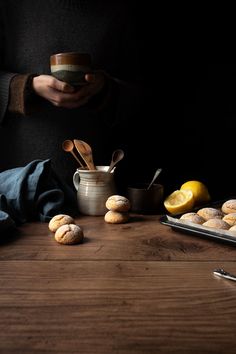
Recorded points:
(71, 67)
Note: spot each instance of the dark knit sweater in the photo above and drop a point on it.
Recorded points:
(30, 31)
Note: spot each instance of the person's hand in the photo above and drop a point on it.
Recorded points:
(61, 94)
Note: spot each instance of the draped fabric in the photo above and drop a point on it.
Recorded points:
(33, 192)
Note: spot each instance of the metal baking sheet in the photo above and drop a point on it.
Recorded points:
(188, 227)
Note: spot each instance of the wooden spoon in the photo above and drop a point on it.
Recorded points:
(116, 157)
(85, 151)
(68, 146)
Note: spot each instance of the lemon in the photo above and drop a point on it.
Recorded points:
(179, 201)
(199, 189)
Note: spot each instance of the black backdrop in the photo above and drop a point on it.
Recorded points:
(187, 124)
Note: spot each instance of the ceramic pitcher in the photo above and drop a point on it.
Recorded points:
(93, 188)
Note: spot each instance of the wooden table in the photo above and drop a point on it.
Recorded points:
(139, 287)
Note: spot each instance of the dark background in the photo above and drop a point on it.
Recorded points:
(187, 125)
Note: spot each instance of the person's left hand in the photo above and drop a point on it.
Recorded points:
(96, 82)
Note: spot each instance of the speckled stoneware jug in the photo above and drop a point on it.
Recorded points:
(93, 188)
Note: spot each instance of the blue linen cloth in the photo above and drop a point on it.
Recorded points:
(32, 192)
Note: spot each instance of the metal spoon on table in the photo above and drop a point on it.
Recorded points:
(222, 273)
(158, 171)
(85, 151)
(117, 155)
(68, 146)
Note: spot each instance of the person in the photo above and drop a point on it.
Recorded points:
(37, 111)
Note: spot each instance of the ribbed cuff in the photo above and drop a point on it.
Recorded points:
(5, 80)
(20, 94)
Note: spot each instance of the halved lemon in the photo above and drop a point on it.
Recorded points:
(180, 201)
(199, 189)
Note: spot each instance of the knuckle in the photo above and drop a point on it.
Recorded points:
(58, 100)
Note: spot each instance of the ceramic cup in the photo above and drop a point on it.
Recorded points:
(94, 187)
(146, 201)
(71, 67)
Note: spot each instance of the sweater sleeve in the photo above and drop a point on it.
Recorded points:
(21, 96)
(5, 80)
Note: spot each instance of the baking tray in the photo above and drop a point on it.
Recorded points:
(198, 230)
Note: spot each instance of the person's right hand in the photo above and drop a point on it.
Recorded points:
(57, 92)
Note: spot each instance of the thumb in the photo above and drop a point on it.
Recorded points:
(68, 88)
(63, 86)
(90, 78)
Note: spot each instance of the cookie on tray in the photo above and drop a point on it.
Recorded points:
(230, 218)
(210, 213)
(216, 224)
(192, 217)
(229, 206)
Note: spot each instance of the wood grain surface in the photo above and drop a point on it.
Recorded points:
(134, 288)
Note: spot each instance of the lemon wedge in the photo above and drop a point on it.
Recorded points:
(199, 189)
(180, 201)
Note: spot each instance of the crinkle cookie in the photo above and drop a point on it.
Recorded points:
(118, 203)
(69, 234)
(114, 217)
(229, 206)
(59, 220)
(216, 224)
(230, 218)
(210, 213)
(192, 217)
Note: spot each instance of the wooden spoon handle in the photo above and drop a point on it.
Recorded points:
(87, 157)
(79, 162)
(90, 165)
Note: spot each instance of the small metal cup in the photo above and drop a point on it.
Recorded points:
(146, 201)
